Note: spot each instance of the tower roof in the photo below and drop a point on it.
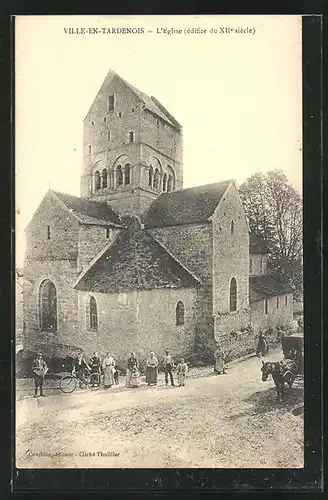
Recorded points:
(150, 102)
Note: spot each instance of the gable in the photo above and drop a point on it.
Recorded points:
(53, 232)
(135, 261)
(113, 83)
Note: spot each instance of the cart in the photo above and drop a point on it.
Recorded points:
(293, 348)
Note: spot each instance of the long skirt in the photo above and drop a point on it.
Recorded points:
(128, 377)
(151, 374)
(219, 364)
(134, 380)
(262, 347)
(108, 376)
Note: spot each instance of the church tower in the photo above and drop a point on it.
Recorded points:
(132, 148)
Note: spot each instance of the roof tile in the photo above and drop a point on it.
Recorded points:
(135, 261)
(187, 206)
(261, 287)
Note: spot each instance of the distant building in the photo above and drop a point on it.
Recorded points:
(138, 263)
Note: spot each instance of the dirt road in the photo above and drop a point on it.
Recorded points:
(230, 420)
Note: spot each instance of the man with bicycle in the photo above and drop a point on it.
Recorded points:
(80, 368)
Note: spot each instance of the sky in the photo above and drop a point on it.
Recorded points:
(238, 96)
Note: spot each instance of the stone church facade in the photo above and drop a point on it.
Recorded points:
(138, 263)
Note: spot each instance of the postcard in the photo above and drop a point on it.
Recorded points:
(159, 306)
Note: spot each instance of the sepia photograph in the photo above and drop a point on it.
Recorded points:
(159, 242)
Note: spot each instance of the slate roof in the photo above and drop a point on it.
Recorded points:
(153, 105)
(187, 206)
(150, 102)
(90, 212)
(135, 261)
(264, 286)
(257, 245)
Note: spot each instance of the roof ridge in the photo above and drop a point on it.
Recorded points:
(174, 258)
(195, 187)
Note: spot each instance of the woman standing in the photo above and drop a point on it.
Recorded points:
(108, 367)
(219, 361)
(151, 369)
(262, 346)
(132, 371)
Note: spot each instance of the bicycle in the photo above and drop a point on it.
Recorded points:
(68, 383)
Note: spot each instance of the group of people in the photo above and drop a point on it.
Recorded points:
(152, 365)
(107, 368)
(96, 367)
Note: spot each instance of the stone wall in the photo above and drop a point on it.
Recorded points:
(192, 246)
(63, 274)
(277, 316)
(154, 140)
(140, 321)
(92, 239)
(230, 260)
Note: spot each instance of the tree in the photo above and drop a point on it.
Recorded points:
(274, 211)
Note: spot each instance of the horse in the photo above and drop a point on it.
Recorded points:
(283, 374)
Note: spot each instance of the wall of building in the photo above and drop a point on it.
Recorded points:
(54, 259)
(140, 321)
(92, 239)
(64, 232)
(192, 246)
(63, 274)
(152, 139)
(230, 260)
(259, 264)
(282, 316)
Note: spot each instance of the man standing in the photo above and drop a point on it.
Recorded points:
(168, 367)
(39, 369)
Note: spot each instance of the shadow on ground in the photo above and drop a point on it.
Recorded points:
(265, 402)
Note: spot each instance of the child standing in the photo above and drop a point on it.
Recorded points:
(182, 369)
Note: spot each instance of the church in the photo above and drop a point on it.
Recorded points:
(137, 263)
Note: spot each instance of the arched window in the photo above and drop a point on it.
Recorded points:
(232, 227)
(156, 179)
(119, 176)
(170, 183)
(233, 295)
(127, 174)
(48, 306)
(250, 265)
(179, 313)
(93, 314)
(164, 182)
(150, 178)
(286, 300)
(104, 178)
(97, 180)
(261, 264)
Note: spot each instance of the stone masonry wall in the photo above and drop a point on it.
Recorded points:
(140, 321)
(192, 246)
(152, 139)
(230, 260)
(277, 316)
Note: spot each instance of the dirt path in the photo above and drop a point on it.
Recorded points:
(230, 420)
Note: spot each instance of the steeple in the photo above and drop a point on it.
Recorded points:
(132, 148)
